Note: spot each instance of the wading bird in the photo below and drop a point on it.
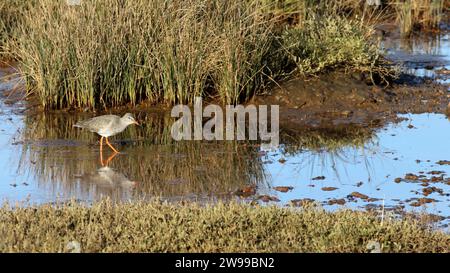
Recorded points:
(106, 126)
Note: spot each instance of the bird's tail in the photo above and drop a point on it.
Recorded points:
(78, 125)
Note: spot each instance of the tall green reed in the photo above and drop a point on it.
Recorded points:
(111, 52)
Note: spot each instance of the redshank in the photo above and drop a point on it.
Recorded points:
(106, 126)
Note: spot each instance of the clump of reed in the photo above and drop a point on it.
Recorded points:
(413, 14)
(108, 52)
(10, 19)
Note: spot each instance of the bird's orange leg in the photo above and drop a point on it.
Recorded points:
(110, 158)
(101, 151)
(109, 144)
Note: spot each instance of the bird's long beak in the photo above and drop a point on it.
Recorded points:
(135, 122)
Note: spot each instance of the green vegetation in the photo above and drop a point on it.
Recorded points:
(156, 162)
(162, 227)
(413, 14)
(11, 19)
(332, 42)
(107, 53)
(410, 14)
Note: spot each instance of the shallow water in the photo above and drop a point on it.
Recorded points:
(423, 56)
(44, 159)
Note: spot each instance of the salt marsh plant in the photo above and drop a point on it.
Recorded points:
(412, 14)
(328, 42)
(107, 53)
(164, 227)
(10, 19)
(111, 52)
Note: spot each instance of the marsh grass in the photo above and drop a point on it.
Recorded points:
(108, 52)
(10, 19)
(7, 19)
(414, 14)
(189, 227)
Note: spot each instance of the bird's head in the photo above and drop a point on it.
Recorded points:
(129, 119)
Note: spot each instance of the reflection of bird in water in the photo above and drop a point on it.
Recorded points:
(107, 177)
(106, 126)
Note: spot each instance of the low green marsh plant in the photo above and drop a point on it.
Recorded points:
(177, 227)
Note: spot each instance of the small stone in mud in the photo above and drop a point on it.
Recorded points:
(246, 191)
(410, 176)
(422, 201)
(436, 172)
(371, 207)
(336, 201)
(17, 143)
(282, 160)
(359, 195)
(302, 202)
(329, 188)
(283, 188)
(267, 198)
(359, 184)
(319, 177)
(25, 184)
(13, 185)
(411, 126)
(437, 178)
(443, 162)
(430, 190)
(397, 180)
(443, 71)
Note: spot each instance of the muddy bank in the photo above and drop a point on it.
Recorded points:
(338, 99)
